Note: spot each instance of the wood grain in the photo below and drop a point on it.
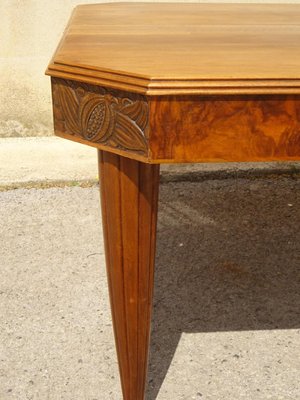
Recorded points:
(161, 48)
(112, 119)
(129, 195)
(228, 128)
(161, 129)
(162, 83)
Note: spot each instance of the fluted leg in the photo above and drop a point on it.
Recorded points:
(129, 195)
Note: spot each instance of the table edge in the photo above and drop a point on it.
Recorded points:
(168, 86)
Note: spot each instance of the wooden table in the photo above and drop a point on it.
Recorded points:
(162, 83)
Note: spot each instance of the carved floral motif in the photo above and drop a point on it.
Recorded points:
(99, 115)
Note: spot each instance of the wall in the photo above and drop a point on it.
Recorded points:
(29, 33)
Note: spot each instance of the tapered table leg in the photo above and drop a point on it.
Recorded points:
(129, 195)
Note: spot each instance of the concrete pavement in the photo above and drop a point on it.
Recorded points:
(52, 161)
(226, 321)
(45, 159)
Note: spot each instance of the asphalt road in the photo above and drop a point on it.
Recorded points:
(226, 321)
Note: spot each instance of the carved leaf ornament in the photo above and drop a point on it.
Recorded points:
(99, 116)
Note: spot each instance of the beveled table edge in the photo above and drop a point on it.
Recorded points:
(163, 86)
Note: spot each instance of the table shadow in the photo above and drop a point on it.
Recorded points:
(228, 257)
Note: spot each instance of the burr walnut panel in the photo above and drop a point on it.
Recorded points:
(226, 128)
(104, 117)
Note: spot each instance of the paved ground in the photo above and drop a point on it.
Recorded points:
(226, 317)
(45, 159)
(51, 161)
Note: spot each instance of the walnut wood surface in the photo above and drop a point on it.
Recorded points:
(161, 48)
(159, 129)
(108, 118)
(129, 191)
(248, 128)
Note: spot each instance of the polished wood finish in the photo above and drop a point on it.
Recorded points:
(160, 129)
(160, 48)
(129, 194)
(227, 128)
(107, 118)
(152, 83)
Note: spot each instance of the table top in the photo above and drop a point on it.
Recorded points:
(173, 48)
(171, 82)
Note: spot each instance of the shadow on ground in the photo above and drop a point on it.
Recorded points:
(228, 257)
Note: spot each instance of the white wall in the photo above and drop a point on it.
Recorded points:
(29, 33)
